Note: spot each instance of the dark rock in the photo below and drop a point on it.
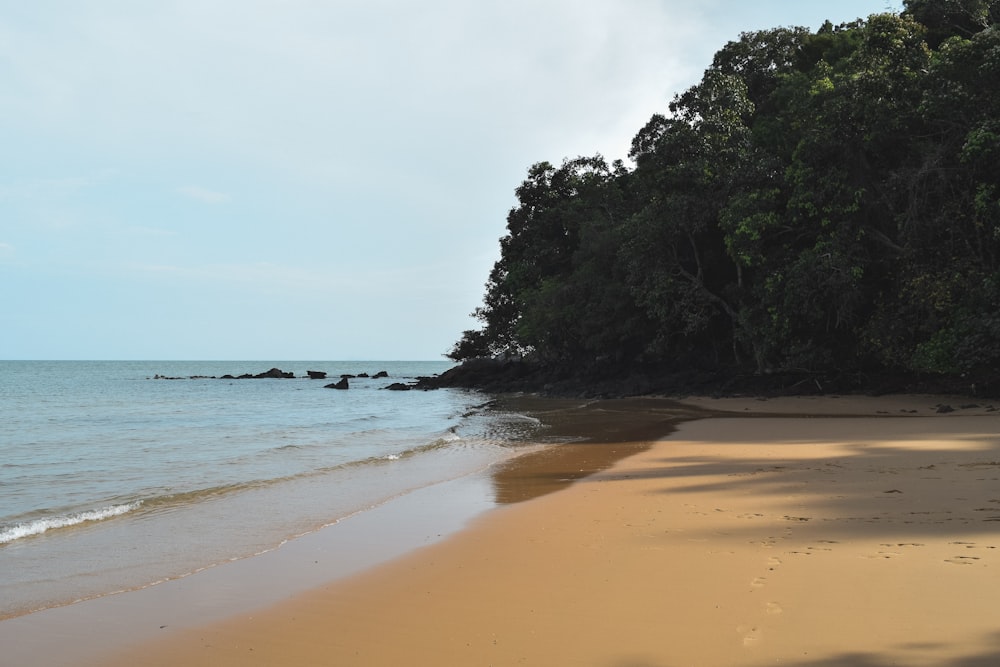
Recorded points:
(348, 375)
(491, 375)
(944, 409)
(611, 380)
(399, 386)
(381, 374)
(338, 385)
(273, 373)
(363, 375)
(316, 375)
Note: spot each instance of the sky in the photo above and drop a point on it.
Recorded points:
(307, 179)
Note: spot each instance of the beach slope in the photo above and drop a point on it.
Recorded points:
(750, 538)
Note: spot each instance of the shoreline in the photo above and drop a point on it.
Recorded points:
(208, 471)
(541, 554)
(89, 630)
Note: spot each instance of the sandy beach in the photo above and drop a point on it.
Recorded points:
(866, 532)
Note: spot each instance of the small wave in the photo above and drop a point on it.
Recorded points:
(39, 526)
(177, 499)
(444, 442)
(518, 417)
(285, 448)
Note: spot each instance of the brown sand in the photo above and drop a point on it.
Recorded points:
(760, 540)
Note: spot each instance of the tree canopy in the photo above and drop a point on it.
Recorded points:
(819, 200)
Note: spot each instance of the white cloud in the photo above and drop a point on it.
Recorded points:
(299, 82)
(203, 194)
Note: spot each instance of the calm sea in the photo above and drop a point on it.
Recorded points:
(112, 479)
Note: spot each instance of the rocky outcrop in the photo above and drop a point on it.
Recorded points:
(492, 375)
(276, 373)
(399, 386)
(343, 384)
(613, 381)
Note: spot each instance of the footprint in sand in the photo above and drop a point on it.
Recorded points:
(750, 635)
(962, 560)
(773, 562)
(773, 608)
(758, 582)
(767, 542)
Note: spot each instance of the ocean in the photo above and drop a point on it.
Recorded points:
(114, 478)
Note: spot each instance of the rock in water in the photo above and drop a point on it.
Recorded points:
(399, 386)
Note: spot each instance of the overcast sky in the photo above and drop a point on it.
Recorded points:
(306, 179)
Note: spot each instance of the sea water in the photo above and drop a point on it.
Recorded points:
(113, 477)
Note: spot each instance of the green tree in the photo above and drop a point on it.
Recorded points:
(555, 291)
(941, 314)
(951, 18)
(676, 255)
(818, 201)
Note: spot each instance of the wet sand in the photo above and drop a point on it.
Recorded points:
(826, 540)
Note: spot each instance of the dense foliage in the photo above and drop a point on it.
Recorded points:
(820, 200)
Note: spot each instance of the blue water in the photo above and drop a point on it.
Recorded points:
(112, 479)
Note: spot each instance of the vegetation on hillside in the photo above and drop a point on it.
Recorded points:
(820, 201)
